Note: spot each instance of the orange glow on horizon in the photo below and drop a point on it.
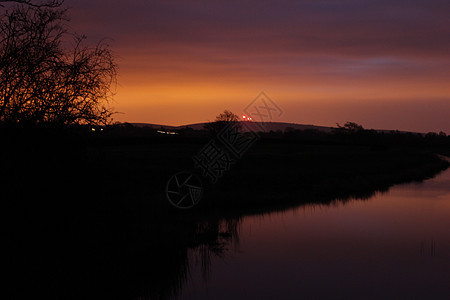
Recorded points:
(198, 98)
(381, 64)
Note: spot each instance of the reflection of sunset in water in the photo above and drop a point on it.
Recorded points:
(395, 244)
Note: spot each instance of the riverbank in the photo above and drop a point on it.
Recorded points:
(130, 177)
(319, 174)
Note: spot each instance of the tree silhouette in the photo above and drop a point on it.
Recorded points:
(227, 116)
(222, 120)
(351, 127)
(41, 82)
(47, 3)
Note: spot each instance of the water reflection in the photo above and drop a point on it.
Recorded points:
(188, 245)
(395, 244)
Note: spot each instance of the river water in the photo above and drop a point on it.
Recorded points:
(394, 245)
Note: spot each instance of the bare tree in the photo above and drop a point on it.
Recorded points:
(41, 82)
(227, 116)
(47, 3)
(350, 127)
(222, 120)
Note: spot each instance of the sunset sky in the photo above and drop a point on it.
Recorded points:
(384, 64)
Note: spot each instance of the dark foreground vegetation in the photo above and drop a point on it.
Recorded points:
(84, 213)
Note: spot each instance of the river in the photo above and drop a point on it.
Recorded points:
(394, 245)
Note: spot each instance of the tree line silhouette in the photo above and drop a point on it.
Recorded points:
(43, 82)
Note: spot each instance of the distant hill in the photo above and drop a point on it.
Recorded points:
(268, 126)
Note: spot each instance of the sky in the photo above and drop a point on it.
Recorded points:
(384, 64)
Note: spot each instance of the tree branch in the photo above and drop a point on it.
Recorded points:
(48, 3)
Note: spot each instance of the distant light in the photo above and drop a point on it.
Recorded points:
(243, 117)
(166, 132)
(93, 129)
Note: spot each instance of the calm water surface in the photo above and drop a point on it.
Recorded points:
(395, 245)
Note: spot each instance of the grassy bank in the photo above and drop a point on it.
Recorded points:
(269, 175)
(128, 177)
(274, 174)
